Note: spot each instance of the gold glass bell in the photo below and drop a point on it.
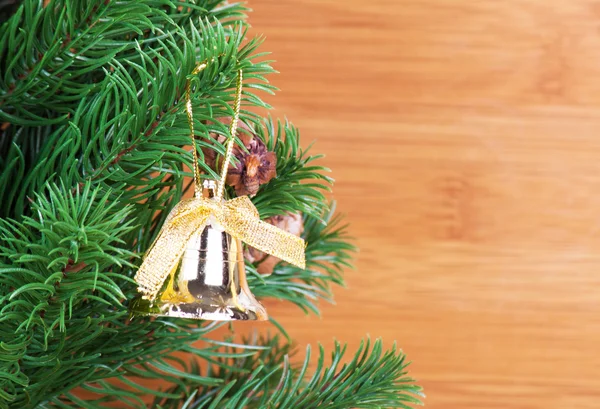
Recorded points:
(195, 268)
(208, 282)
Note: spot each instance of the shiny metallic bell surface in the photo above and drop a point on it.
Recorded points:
(209, 281)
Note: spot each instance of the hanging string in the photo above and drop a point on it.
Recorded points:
(231, 137)
(190, 116)
(232, 133)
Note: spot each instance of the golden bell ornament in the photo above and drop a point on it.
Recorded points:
(195, 268)
(209, 281)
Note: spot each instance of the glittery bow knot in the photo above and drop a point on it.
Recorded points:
(237, 216)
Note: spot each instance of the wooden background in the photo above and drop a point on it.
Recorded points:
(464, 138)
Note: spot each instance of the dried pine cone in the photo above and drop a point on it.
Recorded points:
(292, 223)
(254, 168)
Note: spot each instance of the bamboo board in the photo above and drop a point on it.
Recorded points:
(463, 135)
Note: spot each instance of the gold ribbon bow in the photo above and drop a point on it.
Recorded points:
(237, 217)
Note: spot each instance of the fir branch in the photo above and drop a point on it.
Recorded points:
(52, 55)
(300, 184)
(93, 154)
(373, 379)
(52, 266)
(235, 366)
(142, 144)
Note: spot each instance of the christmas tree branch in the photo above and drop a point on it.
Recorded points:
(142, 144)
(373, 379)
(51, 55)
(300, 184)
(94, 152)
(57, 285)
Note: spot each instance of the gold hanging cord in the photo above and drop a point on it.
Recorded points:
(232, 131)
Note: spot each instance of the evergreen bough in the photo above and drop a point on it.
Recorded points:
(94, 152)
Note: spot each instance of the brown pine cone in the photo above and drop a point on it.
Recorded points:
(292, 223)
(254, 168)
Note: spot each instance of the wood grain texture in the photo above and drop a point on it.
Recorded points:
(463, 135)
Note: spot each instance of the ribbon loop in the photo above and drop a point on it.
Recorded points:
(238, 217)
